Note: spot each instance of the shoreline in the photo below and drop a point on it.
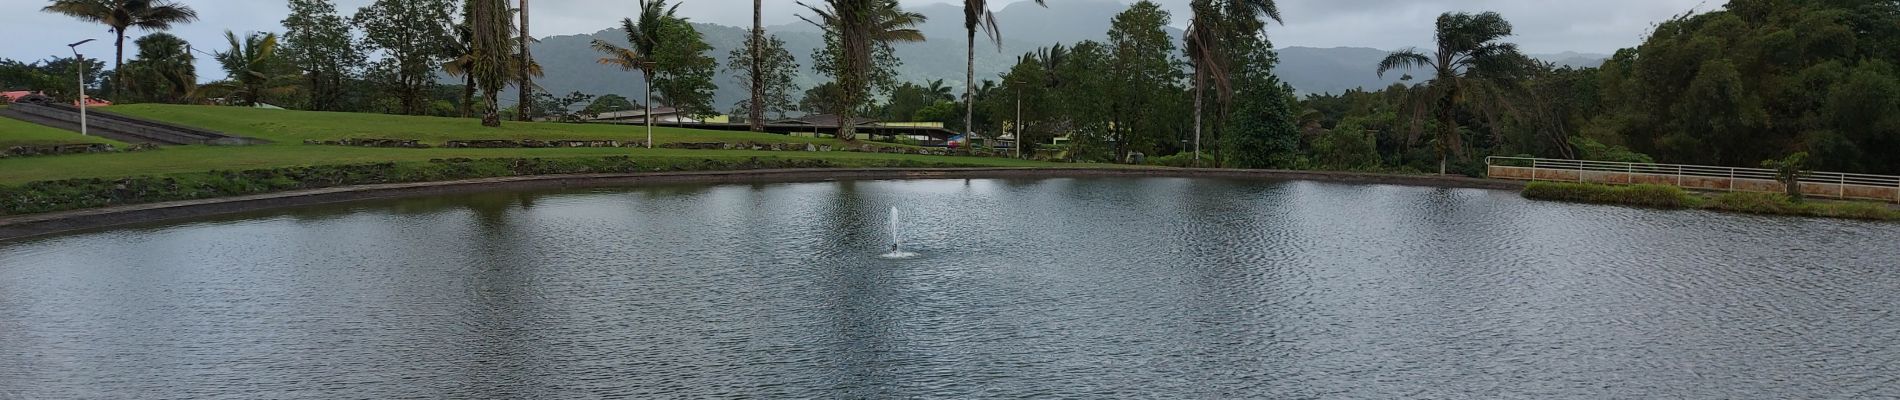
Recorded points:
(33, 225)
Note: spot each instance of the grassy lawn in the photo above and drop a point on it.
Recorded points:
(293, 127)
(14, 132)
(203, 158)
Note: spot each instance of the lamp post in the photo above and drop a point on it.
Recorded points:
(80, 61)
(1019, 118)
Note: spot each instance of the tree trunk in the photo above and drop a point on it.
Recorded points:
(756, 118)
(527, 81)
(118, 66)
(468, 95)
(491, 112)
(1199, 90)
(649, 104)
(969, 90)
(1447, 132)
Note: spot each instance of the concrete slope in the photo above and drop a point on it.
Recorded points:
(120, 127)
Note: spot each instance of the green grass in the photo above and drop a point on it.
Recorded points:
(15, 132)
(1672, 197)
(293, 127)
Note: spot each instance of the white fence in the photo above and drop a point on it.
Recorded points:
(1701, 177)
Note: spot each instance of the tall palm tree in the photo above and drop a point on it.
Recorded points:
(523, 65)
(122, 15)
(644, 36)
(938, 91)
(1210, 54)
(252, 64)
(163, 68)
(977, 15)
(491, 53)
(861, 26)
(755, 118)
(1468, 50)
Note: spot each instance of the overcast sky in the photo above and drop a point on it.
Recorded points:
(1543, 26)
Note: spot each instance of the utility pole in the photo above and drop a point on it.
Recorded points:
(80, 61)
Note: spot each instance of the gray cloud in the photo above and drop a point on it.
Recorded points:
(1543, 26)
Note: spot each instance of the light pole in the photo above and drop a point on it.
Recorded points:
(80, 61)
(1019, 118)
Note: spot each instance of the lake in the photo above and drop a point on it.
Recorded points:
(1056, 288)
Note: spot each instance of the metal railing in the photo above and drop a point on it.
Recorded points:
(1831, 184)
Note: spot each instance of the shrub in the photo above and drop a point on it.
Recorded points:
(1183, 160)
(1637, 195)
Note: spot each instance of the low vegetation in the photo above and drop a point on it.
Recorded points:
(1738, 202)
(72, 194)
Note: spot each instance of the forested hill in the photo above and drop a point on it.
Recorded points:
(571, 65)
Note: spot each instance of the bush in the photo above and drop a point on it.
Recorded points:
(1637, 195)
(1346, 150)
(1182, 160)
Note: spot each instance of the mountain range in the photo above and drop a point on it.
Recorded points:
(571, 64)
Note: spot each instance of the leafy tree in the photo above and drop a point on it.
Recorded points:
(562, 109)
(1141, 71)
(254, 67)
(774, 77)
(977, 16)
(122, 15)
(163, 69)
(317, 40)
(1219, 37)
(410, 35)
(820, 99)
(1085, 116)
(857, 53)
(684, 75)
(1468, 51)
(609, 103)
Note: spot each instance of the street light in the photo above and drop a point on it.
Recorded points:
(81, 62)
(1019, 118)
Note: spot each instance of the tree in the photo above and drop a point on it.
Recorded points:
(775, 76)
(821, 99)
(163, 69)
(1217, 31)
(756, 76)
(317, 40)
(491, 53)
(609, 103)
(121, 15)
(857, 53)
(1468, 50)
(977, 16)
(669, 55)
(410, 34)
(1142, 78)
(525, 69)
(253, 65)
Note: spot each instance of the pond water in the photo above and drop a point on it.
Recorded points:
(1061, 288)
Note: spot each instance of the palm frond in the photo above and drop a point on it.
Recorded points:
(1403, 59)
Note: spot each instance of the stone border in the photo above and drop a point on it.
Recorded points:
(23, 226)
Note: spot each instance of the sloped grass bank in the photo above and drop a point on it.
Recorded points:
(1670, 197)
(73, 194)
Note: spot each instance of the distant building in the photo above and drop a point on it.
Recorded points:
(15, 96)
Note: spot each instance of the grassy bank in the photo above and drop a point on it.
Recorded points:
(1673, 197)
(294, 127)
(15, 132)
(72, 194)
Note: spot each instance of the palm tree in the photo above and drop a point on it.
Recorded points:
(644, 36)
(121, 15)
(524, 64)
(938, 91)
(755, 118)
(1468, 51)
(252, 65)
(460, 65)
(491, 53)
(1208, 51)
(977, 15)
(861, 26)
(164, 60)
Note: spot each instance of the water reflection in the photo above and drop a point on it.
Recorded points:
(1026, 288)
